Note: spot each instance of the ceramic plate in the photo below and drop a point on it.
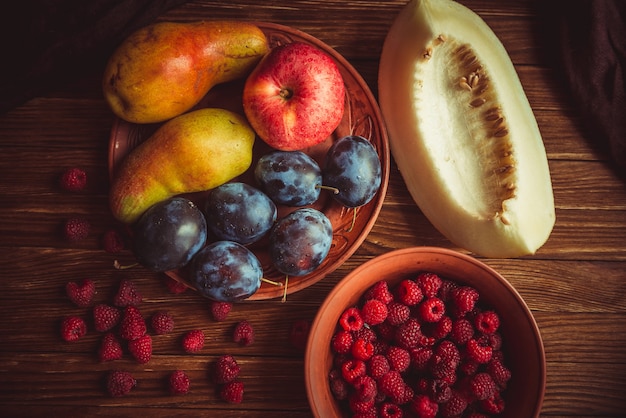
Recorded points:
(361, 117)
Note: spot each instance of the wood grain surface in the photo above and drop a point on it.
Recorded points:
(575, 285)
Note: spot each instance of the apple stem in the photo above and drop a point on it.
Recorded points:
(119, 266)
(284, 299)
(332, 189)
(353, 221)
(272, 282)
(285, 93)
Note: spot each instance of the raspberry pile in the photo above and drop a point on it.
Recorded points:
(425, 347)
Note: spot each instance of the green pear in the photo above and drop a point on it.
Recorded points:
(164, 69)
(193, 152)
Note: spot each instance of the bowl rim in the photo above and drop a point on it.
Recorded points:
(316, 399)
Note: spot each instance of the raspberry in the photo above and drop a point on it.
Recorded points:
(409, 334)
(120, 383)
(439, 390)
(442, 369)
(76, 229)
(338, 386)
(359, 408)
(420, 357)
(365, 387)
(112, 241)
(105, 317)
(429, 283)
(141, 348)
(464, 299)
(379, 291)
(362, 349)
(243, 333)
(351, 319)
(442, 328)
(399, 358)
(174, 286)
(374, 312)
(73, 179)
(226, 369)
(392, 384)
(232, 392)
(462, 331)
(498, 372)
(193, 341)
(390, 410)
(455, 406)
(377, 366)
(179, 382)
(477, 352)
(481, 386)
(73, 328)
(468, 367)
(110, 348)
(487, 322)
(408, 293)
(398, 313)
(132, 325)
(493, 405)
(365, 333)
(432, 310)
(342, 341)
(353, 368)
(220, 310)
(448, 352)
(127, 294)
(162, 322)
(424, 407)
(81, 294)
(492, 340)
(385, 331)
(299, 333)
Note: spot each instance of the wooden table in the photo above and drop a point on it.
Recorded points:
(575, 285)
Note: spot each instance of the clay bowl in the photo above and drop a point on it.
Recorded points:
(361, 117)
(522, 344)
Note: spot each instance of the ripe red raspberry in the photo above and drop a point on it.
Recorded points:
(424, 407)
(409, 334)
(393, 385)
(105, 317)
(468, 367)
(351, 319)
(362, 349)
(448, 352)
(462, 331)
(226, 369)
(374, 312)
(365, 388)
(76, 229)
(432, 310)
(232, 392)
(385, 331)
(439, 390)
(455, 406)
(493, 405)
(220, 310)
(481, 386)
(174, 286)
(429, 283)
(399, 359)
(73, 328)
(492, 340)
(162, 322)
(113, 241)
(353, 368)
(110, 348)
(193, 341)
(398, 313)
(408, 292)
(477, 352)
(441, 329)
(390, 410)
(299, 333)
(179, 382)
(464, 299)
(338, 386)
(487, 322)
(420, 357)
(81, 293)
(132, 324)
(377, 366)
(73, 179)
(342, 341)
(141, 349)
(498, 372)
(379, 291)
(365, 333)
(361, 409)
(120, 383)
(127, 294)
(243, 333)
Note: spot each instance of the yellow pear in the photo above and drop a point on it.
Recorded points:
(164, 69)
(193, 152)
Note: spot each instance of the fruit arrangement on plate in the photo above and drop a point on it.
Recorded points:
(249, 173)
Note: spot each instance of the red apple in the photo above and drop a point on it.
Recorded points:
(294, 98)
